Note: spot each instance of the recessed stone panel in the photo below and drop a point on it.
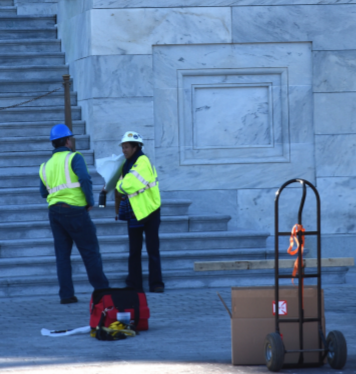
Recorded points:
(233, 116)
(246, 123)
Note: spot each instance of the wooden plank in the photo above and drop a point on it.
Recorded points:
(269, 264)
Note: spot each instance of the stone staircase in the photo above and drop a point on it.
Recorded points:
(31, 64)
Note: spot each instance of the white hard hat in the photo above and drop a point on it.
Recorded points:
(131, 136)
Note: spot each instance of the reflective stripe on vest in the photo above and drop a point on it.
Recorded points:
(143, 181)
(139, 177)
(149, 185)
(68, 184)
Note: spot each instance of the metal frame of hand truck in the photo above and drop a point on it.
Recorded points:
(301, 276)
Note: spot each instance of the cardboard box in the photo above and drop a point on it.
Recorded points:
(252, 320)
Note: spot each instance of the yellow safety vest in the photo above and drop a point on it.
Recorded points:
(141, 186)
(60, 180)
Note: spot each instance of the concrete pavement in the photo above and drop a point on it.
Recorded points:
(189, 333)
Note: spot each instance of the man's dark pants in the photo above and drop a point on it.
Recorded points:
(73, 224)
(151, 228)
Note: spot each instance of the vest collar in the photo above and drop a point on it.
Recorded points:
(61, 149)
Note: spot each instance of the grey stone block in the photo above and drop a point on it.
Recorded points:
(317, 23)
(47, 113)
(211, 240)
(335, 155)
(113, 76)
(32, 58)
(32, 72)
(31, 85)
(208, 223)
(43, 128)
(338, 205)
(141, 28)
(15, 196)
(171, 207)
(29, 176)
(7, 11)
(335, 113)
(35, 158)
(13, 34)
(30, 45)
(334, 71)
(25, 22)
(54, 99)
(205, 202)
(37, 8)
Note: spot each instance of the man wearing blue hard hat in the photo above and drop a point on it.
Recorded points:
(66, 184)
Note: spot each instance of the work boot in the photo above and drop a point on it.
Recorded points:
(71, 300)
(158, 290)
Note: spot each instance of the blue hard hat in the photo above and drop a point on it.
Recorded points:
(60, 131)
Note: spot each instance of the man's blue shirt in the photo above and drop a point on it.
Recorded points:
(80, 169)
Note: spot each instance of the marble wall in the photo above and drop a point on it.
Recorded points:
(110, 57)
(235, 96)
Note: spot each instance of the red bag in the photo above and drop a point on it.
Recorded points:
(114, 300)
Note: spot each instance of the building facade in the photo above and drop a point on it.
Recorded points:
(233, 99)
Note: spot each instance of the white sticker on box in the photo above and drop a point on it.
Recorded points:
(282, 308)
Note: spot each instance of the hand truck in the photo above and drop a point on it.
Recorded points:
(334, 346)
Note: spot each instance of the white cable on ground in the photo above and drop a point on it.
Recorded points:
(55, 334)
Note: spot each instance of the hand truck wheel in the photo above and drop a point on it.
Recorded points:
(274, 352)
(337, 349)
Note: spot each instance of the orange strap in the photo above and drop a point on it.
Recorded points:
(300, 246)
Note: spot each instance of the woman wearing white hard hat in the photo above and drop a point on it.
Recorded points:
(140, 207)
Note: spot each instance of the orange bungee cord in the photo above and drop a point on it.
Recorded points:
(300, 247)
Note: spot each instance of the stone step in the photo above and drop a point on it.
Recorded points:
(168, 242)
(105, 226)
(53, 99)
(7, 10)
(108, 226)
(32, 58)
(12, 34)
(18, 22)
(40, 86)
(244, 278)
(6, 2)
(117, 262)
(28, 177)
(17, 204)
(174, 279)
(32, 72)
(39, 212)
(48, 113)
(23, 129)
(36, 143)
(30, 45)
(36, 158)
(24, 212)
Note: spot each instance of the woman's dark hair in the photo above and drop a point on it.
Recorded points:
(61, 142)
(135, 144)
